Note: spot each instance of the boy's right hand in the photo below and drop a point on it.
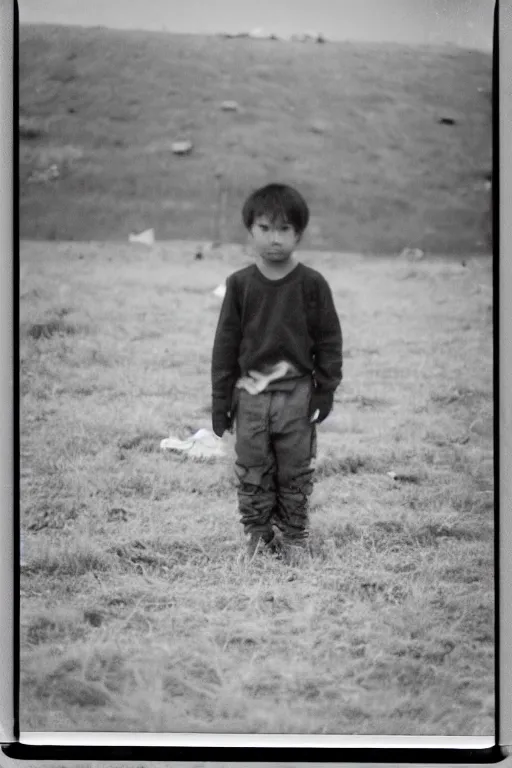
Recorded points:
(221, 418)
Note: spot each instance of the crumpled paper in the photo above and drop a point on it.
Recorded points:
(203, 444)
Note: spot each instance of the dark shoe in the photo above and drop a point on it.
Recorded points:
(275, 545)
(258, 543)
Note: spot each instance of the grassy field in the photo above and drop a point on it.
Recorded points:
(137, 615)
(354, 126)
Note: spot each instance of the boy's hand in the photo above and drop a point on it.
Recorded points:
(221, 417)
(322, 403)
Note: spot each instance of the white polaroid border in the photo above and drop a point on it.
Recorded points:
(245, 740)
(7, 415)
(504, 426)
(7, 549)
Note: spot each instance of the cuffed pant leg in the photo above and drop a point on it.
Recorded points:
(255, 466)
(294, 441)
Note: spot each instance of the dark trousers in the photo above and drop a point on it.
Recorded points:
(275, 453)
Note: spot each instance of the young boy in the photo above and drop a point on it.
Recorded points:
(277, 360)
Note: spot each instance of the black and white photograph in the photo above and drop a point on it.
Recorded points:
(256, 398)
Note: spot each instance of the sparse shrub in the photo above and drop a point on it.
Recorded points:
(51, 327)
(429, 534)
(352, 464)
(147, 442)
(168, 553)
(325, 543)
(30, 128)
(64, 73)
(74, 692)
(51, 512)
(74, 560)
(64, 156)
(366, 401)
(48, 627)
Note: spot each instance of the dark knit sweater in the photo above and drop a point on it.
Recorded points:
(264, 321)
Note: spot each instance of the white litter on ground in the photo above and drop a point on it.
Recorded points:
(258, 33)
(412, 254)
(229, 106)
(146, 238)
(203, 444)
(220, 291)
(181, 147)
(50, 174)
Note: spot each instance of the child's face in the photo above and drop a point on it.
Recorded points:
(273, 241)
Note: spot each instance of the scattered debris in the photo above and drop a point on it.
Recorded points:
(229, 106)
(144, 238)
(220, 291)
(412, 254)
(233, 35)
(50, 174)
(484, 186)
(318, 126)
(181, 147)
(94, 618)
(117, 513)
(404, 478)
(29, 128)
(257, 34)
(304, 37)
(203, 444)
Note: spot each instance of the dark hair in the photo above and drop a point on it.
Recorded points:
(280, 203)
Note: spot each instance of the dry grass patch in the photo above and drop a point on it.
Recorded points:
(160, 625)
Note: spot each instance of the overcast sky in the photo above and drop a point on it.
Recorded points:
(467, 23)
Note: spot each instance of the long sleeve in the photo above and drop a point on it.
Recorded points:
(226, 347)
(328, 349)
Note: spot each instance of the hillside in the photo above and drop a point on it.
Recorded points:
(355, 127)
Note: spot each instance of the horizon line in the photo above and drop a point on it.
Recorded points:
(243, 35)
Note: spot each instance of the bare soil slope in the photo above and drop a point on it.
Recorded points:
(355, 127)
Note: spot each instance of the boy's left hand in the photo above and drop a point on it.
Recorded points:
(321, 402)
